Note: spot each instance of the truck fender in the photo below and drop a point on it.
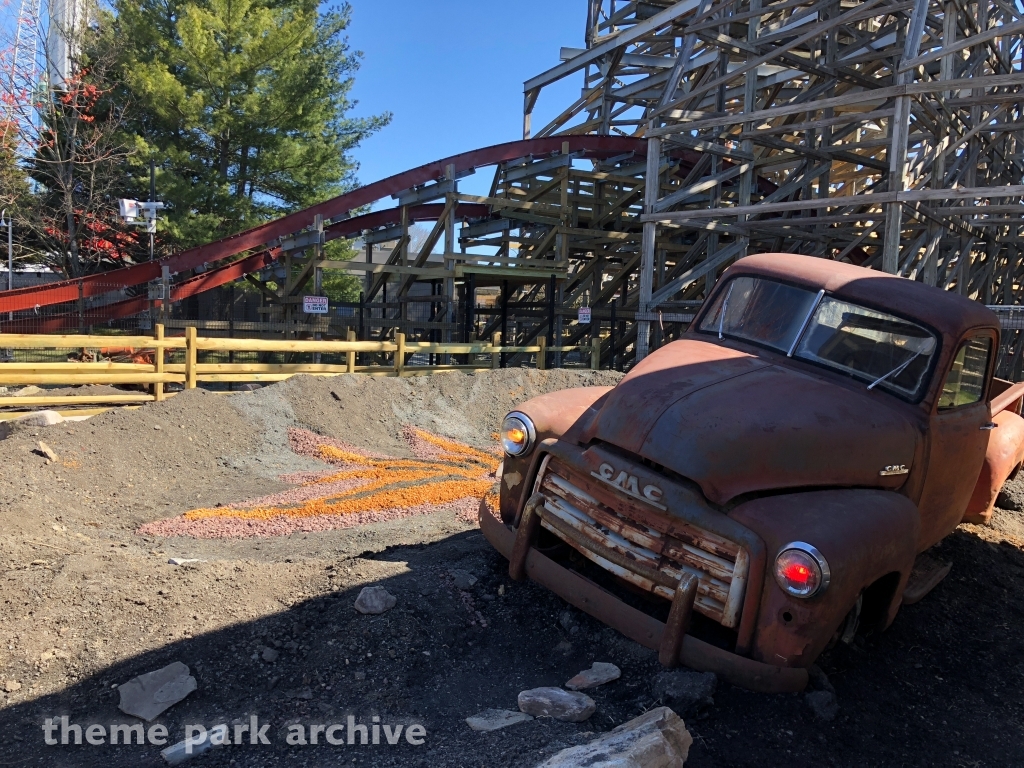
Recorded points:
(863, 534)
(553, 414)
(1003, 457)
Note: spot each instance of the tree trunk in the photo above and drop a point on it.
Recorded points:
(243, 170)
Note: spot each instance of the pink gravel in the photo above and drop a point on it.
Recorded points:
(304, 493)
(301, 478)
(307, 443)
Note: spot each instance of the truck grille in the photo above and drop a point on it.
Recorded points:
(653, 554)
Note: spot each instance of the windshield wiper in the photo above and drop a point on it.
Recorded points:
(895, 371)
(725, 308)
(806, 322)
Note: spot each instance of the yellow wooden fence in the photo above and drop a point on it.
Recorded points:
(192, 371)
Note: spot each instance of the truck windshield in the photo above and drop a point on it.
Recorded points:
(881, 350)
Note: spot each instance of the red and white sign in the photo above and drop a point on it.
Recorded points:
(315, 305)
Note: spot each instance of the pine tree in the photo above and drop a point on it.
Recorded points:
(242, 103)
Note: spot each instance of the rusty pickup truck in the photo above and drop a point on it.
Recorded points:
(769, 483)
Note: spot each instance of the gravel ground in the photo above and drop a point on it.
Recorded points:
(88, 602)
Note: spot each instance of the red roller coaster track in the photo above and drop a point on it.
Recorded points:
(267, 236)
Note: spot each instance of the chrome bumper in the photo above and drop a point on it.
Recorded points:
(525, 561)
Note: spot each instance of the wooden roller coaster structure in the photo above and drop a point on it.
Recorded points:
(887, 133)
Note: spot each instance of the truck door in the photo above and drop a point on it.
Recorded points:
(957, 438)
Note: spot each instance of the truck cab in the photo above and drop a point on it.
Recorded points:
(767, 482)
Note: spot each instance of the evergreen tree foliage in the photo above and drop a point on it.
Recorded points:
(242, 103)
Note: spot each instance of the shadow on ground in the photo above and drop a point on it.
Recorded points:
(941, 687)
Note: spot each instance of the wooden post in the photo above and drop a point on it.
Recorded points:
(158, 362)
(542, 355)
(400, 354)
(495, 356)
(595, 354)
(351, 355)
(318, 274)
(190, 357)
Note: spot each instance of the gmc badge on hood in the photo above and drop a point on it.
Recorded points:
(894, 469)
(630, 485)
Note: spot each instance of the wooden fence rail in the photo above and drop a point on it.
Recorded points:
(189, 373)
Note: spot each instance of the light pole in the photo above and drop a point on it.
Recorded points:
(5, 221)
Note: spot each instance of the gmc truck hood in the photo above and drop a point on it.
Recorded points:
(735, 423)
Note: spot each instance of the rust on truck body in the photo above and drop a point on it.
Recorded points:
(688, 478)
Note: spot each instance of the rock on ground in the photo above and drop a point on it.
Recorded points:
(599, 673)
(823, 704)
(182, 751)
(686, 690)
(463, 579)
(656, 739)
(554, 702)
(493, 719)
(29, 421)
(819, 680)
(148, 695)
(47, 451)
(374, 600)
(1006, 501)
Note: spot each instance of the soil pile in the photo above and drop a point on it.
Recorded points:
(267, 625)
(371, 412)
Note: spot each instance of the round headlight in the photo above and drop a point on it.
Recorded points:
(801, 570)
(517, 434)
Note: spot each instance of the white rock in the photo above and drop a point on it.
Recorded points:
(184, 560)
(823, 704)
(179, 753)
(463, 579)
(375, 600)
(148, 695)
(493, 719)
(554, 702)
(599, 673)
(30, 391)
(29, 421)
(656, 739)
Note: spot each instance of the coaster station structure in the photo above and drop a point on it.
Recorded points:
(882, 132)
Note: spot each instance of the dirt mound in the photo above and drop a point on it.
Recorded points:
(123, 467)
(371, 412)
(89, 602)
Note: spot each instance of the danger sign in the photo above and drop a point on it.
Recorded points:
(315, 305)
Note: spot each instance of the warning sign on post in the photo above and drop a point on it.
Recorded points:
(584, 316)
(315, 305)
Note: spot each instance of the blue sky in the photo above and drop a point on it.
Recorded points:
(452, 73)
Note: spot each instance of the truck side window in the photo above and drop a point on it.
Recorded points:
(965, 382)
